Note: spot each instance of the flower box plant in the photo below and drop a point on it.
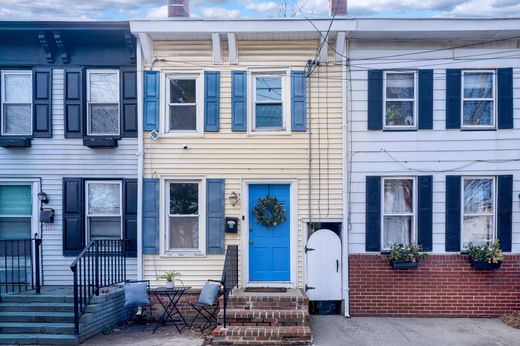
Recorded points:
(485, 256)
(170, 278)
(405, 256)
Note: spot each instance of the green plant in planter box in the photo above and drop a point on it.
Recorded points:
(405, 253)
(486, 253)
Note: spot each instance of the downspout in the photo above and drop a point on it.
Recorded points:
(140, 156)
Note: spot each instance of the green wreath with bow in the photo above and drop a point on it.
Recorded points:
(269, 212)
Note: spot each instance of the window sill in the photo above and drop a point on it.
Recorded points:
(185, 253)
(100, 142)
(478, 129)
(399, 129)
(181, 135)
(269, 133)
(15, 142)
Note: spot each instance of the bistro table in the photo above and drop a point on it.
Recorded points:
(173, 296)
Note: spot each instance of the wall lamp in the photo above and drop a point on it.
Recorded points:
(233, 198)
(42, 196)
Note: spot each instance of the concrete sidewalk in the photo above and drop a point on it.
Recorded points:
(374, 331)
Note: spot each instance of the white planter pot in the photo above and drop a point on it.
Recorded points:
(170, 284)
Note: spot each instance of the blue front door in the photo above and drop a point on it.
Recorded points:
(269, 248)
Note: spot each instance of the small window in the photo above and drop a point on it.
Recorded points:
(16, 103)
(398, 211)
(183, 104)
(478, 210)
(15, 211)
(104, 210)
(269, 113)
(184, 219)
(103, 103)
(478, 104)
(400, 100)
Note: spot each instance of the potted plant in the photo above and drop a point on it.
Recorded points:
(170, 278)
(485, 256)
(405, 256)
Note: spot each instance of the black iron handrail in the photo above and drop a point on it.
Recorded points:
(20, 265)
(102, 263)
(229, 275)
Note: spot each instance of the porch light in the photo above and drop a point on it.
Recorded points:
(233, 198)
(42, 196)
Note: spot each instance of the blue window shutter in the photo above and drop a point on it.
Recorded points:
(239, 101)
(42, 102)
(215, 216)
(425, 99)
(505, 211)
(298, 101)
(128, 102)
(424, 213)
(151, 100)
(373, 214)
(74, 102)
(211, 101)
(453, 98)
(151, 216)
(505, 98)
(453, 212)
(130, 215)
(375, 100)
(73, 216)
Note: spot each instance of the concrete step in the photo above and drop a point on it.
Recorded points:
(249, 335)
(31, 316)
(240, 317)
(37, 307)
(36, 298)
(38, 339)
(36, 328)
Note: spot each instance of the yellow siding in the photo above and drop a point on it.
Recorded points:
(237, 155)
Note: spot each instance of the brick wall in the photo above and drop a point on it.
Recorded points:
(442, 286)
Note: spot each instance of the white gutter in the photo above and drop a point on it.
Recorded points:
(140, 146)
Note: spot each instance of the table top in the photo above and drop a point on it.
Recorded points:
(176, 289)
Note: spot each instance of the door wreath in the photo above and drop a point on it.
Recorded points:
(269, 212)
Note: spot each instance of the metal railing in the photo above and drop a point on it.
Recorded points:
(229, 275)
(20, 265)
(101, 264)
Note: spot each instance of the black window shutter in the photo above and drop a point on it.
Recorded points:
(128, 102)
(130, 215)
(375, 100)
(425, 99)
(151, 216)
(42, 102)
(453, 212)
(74, 102)
(505, 211)
(424, 214)
(73, 216)
(215, 216)
(373, 214)
(453, 98)
(505, 98)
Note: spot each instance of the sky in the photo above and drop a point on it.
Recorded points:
(156, 9)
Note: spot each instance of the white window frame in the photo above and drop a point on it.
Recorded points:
(199, 103)
(3, 102)
(284, 74)
(492, 99)
(201, 215)
(413, 214)
(414, 100)
(89, 102)
(87, 215)
(494, 199)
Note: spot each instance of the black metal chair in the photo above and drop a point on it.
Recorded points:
(208, 308)
(137, 304)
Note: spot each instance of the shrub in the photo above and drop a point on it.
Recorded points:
(485, 252)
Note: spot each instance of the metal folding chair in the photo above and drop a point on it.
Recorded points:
(208, 312)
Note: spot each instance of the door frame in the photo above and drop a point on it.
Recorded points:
(293, 234)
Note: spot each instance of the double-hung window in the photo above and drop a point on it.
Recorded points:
(183, 216)
(400, 91)
(478, 103)
(16, 103)
(15, 211)
(103, 107)
(478, 219)
(269, 103)
(104, 210)
(184, 103)
(398, 211)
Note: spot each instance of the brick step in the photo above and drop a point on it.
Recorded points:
(38, 339)
(36, 298)
(37, 307)
(36, 328)
(31, 316)
(235, 335)
(293, 300)
(240, 317)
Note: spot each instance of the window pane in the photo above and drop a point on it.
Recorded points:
(397, 229)
(268, 89)
(18, 88)
(478, 84)
(398, 196)
(184, 232)
(105, 228)
(183, 118)
(478, 196)
(15, 228)
(400, 85)
(478, 112)
(269, 116)
(184, 198)
(104, 87)
(104, 199)
(183, 91)
(17, 119)
(477, 229)
(15, 200)
(399, 113)
(104, 119)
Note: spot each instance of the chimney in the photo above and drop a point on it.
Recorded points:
(338, 6)
(178, 8)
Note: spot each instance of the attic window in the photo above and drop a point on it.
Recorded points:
(16, 103)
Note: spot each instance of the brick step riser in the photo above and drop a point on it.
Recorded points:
(265, 318)
(267, 306)
(262, 336)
